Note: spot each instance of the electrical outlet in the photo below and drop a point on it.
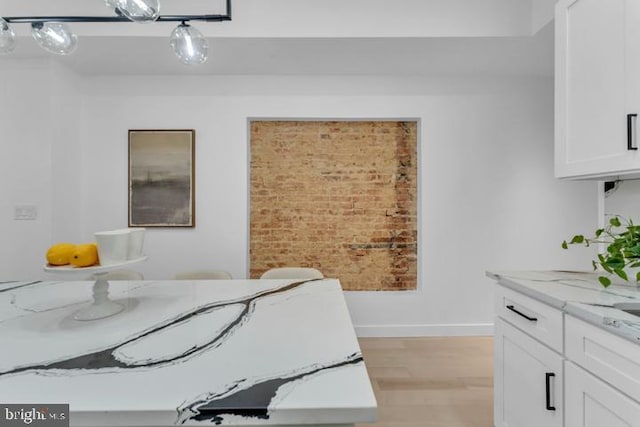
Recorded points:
(25, 212)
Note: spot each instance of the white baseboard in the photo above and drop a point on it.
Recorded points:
(446, 330)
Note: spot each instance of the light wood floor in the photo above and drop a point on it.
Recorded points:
(431, 382)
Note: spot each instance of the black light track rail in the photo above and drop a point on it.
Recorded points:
(107, 19)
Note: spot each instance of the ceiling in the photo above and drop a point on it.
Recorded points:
(317, 56)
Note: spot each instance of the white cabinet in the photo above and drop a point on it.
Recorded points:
(527, 380)
(607, 356)
(597, 88)
(534, 318)
(552, 369)
(590, 402)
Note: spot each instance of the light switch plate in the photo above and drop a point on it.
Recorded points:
(25, 212)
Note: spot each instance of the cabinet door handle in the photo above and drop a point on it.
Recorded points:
(631, 132)
(531, 319)
(549, 375)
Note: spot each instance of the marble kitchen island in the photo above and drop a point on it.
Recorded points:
(236, 352)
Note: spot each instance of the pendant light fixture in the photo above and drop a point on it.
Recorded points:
(189, 44)
(137, 10)
(7, 37)
(54, 35)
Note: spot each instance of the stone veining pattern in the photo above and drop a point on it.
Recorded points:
(229, 353)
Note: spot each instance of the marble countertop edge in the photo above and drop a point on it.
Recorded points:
(578, 294)
(516, 285)
(278, 416)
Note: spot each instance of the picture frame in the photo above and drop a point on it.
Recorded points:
(162, 178)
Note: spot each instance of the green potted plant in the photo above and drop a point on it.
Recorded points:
(622, 238)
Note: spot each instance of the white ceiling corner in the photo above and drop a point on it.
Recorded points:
(495, 45)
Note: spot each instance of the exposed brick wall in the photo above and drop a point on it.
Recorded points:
(337, 196)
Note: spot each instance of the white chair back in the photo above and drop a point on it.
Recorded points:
(203, 275)
(292, 273)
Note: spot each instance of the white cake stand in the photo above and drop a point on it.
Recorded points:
(102, 306)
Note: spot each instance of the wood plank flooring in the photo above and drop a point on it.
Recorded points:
(431, 382)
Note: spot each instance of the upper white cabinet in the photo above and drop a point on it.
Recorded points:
(597, 88)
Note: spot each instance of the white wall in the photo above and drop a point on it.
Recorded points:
(624, 200)
(542, 12)
(378, 18)
(488, 199)
(67, 166)
(41, 163)
(25, 166)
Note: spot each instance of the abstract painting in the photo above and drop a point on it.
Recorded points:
(161, 178)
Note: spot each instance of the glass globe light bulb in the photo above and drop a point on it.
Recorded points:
(55, 37)
(137, 10)
(189, 45)
(7, 37)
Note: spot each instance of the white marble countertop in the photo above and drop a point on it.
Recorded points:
(581, 295)
(236, 352)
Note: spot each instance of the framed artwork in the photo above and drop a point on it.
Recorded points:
(162, 178)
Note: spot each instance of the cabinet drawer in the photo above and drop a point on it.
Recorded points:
(537, 319)
(612, 358)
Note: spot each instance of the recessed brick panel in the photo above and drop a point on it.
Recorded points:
(337, 196)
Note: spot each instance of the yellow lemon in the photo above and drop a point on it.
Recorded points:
(60, 253)
(95, 245)
(84, 255)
